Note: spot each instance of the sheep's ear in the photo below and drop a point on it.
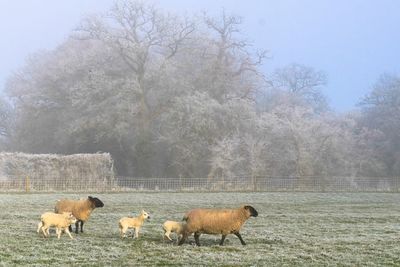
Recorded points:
(90, 197)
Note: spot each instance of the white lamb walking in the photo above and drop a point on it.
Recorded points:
(60, 221)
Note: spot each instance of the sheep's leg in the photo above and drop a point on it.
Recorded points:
(123, 232)
(137, 232)
(44, 231)
(81, 226)
(221, 243)
(197, 238)
(183, 239)
(58, 231)
(70, 228)
(179, 238)
(76, 227)
(39, 227)
(240, 238)
(166, 234)
(69, 233)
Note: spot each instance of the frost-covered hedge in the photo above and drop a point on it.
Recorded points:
(58, 172)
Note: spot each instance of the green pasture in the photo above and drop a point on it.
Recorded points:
(292, 229)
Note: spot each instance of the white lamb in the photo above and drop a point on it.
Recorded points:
(129, 222)
(60, 221)
(173, 227)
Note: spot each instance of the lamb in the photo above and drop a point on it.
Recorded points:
(60, 221)
(81, 209)
(132, 222)
(216, 221)
(171, 227)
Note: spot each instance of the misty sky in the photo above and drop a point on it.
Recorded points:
(353, 41)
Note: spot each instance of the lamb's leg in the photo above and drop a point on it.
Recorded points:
(58, 231)
(70, 228)
(221, 243)
(197, 238)
(240, 238)
(44, 231)
(69, 233)
(166, 234)
(39, 227)
(137, 232)
(123, 231)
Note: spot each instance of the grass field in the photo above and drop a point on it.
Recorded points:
(292, 229)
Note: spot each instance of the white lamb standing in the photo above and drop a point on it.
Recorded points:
(132, 222)
(60, 221)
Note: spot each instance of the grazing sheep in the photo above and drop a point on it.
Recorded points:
(132, 222)
(216, 221)
(173, 227)
(60, 221)
(81, 209)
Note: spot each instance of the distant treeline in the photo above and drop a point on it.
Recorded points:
(171, 96)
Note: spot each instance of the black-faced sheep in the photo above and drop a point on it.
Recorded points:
(60, 221)
(173, 227)
(216, 221)
(81, 209)
(132, 222)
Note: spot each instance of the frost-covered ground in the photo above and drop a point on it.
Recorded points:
(293, 229)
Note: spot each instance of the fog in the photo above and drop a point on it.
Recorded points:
(217, 88)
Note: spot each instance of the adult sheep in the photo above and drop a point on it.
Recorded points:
(216, 221)
(81, 209)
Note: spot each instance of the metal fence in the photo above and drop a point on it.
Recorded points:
(220, 184)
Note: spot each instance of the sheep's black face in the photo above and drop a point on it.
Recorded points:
(96, 202)
(252, 211)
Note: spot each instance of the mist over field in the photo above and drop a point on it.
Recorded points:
(288, 108)
(169, 95)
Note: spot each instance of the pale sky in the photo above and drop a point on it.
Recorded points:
(352, 41)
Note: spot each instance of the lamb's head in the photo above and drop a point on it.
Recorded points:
(71, 218)
(97, 203)
(251, 211)
(145, 215)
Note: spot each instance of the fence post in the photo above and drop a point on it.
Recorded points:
(27, 184)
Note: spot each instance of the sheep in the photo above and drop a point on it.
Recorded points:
(49, 219)
(216, 221)
(81, 209)
(60, 221)
(132, 222)
(171, 227)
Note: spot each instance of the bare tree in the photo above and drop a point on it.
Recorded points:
(302, 86)
(146, 40)
(232, 62)
(381, 112)
(6, 122)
